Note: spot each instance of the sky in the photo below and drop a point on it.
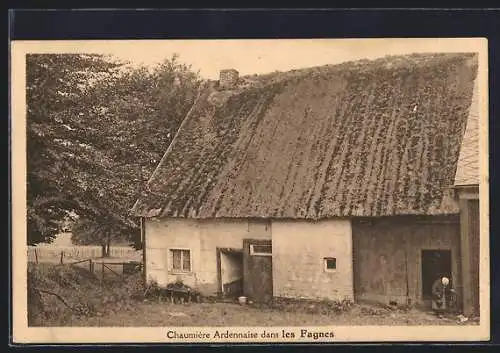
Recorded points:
(256, 56)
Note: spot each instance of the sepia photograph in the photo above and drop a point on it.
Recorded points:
(312, 190)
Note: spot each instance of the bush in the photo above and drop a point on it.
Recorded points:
(62, 295)
(176, 291)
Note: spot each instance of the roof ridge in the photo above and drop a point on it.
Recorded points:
(183, 123)
(288, 75)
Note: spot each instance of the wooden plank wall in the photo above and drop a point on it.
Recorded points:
(387, 255)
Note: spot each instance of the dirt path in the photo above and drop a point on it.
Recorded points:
(229, 314)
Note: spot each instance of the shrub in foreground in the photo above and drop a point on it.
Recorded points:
(61, 295)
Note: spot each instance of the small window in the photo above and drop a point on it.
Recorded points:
(181, 260)
(330, 263)
(261, 249)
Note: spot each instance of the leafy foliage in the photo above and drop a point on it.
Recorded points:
(96, 130)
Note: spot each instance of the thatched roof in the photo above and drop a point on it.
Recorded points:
(365, 138)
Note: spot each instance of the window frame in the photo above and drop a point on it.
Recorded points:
(257, 253)
(325, 264)
(171, 260)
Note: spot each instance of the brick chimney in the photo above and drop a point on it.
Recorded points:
(228, 78)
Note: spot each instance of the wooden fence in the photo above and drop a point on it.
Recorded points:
(124, 251)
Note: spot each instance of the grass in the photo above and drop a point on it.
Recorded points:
(232, 314)
(116, 303)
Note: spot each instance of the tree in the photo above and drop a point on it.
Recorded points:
(96, 131)
(56, 88)
(86, 232)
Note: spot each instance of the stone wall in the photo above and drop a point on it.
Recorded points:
(201, 238)
(299, 252)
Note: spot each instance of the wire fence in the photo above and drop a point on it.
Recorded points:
(60, 254)
(103, 270)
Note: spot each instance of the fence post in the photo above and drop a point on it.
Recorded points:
(90, 266)
(62, 255)
(36, 257)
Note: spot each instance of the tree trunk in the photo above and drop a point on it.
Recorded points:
(103, 247)
(108, 244)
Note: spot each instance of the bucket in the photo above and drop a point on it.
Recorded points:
(242, 300)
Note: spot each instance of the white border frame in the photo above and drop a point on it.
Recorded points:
(53, 335)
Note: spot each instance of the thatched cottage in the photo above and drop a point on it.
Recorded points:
(357, 180)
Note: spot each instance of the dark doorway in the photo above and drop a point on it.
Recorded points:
(257, 269)
(435, 264)
(230, 271)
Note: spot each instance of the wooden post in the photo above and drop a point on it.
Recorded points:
(90, 266)
(143, 241)
(407, 279)
(62, 255)
(220, 290)
(36, 257)
(465, 257)
(410, 265)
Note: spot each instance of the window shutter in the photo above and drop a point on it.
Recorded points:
(170, 259)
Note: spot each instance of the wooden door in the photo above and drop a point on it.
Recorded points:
(257, 270)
